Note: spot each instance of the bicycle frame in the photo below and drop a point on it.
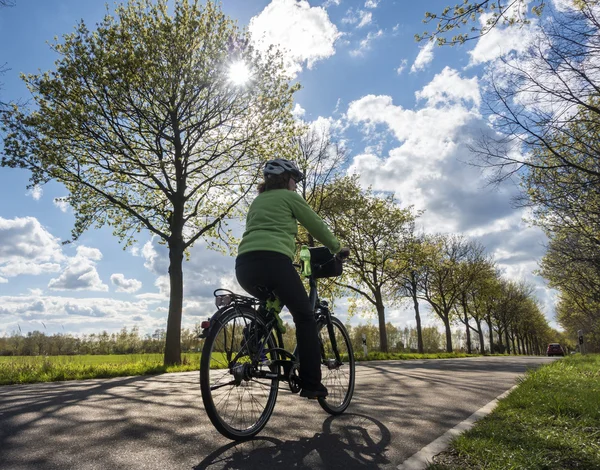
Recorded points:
(321, 312)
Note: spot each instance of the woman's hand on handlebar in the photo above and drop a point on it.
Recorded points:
(344, 253)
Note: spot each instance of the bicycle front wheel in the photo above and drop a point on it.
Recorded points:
(337, 371)
(238, 402)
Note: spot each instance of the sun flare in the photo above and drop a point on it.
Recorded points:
(239, 73)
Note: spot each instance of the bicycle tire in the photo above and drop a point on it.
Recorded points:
(240, 410)
(338, 378)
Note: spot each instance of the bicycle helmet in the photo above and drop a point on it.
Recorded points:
(281, 165)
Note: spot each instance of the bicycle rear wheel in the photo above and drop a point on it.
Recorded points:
(238, 403)
(337, 376)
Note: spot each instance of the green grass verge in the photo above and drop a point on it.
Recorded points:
(32, 369)
(551, 421)
(21, 370)
(379, 356)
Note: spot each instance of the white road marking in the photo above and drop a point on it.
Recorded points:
(423, 458)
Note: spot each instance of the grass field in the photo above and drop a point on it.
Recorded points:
(31, 369)
(551, 421)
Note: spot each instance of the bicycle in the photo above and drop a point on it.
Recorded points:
(244, 358)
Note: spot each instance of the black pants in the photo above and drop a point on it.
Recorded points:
(275, 272)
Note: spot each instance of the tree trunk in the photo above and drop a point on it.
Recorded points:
(173, 338)
(383, 343)
(500, 342)
(464, 306)
(418, 320)
(480, 332)
(507, 341)
(521, 345)
(446, 320)
(489, 324)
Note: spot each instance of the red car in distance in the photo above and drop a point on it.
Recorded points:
(555, 349)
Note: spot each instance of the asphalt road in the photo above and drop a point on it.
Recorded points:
(159, 422)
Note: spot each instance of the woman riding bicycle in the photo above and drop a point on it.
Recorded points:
(266, 253)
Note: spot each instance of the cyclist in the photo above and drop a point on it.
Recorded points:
(265, 257)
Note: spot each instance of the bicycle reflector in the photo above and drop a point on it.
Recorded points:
(222, 300)
(205, 324)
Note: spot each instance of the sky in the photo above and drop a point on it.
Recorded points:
(405, 111)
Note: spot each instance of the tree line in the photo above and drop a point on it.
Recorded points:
(144, 126)
(37, 343)
(131, 341)
(543, 106)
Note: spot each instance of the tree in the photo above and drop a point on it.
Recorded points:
(433, 339)
(544, 106)
(480, 297)
(320, 159)
(145, 125)
(572, 265)
(409, 271)
(371, 227)
(443, 278)
(472, 269)
(498, 13)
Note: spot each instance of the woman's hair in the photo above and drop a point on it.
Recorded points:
(281, 181)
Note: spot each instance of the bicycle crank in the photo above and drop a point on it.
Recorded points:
(294, 379)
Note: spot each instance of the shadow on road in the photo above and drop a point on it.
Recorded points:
(347, 441)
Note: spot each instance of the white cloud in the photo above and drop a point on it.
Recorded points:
(80, 272)
(61, 203)
(502, 40)
(564, 5)
(351, 16)
(365, 18)
(305, 33)
(298, 111)
(88, 315)
(360, 18)
(365, 44)
(449, 87)
(3, 280)
(329, 3)
(27, 248)
(428, 170)
(205, 271)
(371, 3)
(125, 285)
(156, 256)
(93, 254)
(424, 57)
(36, 192)
(402, 66)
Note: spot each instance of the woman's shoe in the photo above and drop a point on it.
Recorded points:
(320, 392)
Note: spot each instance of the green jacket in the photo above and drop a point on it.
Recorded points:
(272, 224)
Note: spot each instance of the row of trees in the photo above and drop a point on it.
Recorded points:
(450, 274)
(146, 128)
(37, 343)
(391, 262)
(543, 105)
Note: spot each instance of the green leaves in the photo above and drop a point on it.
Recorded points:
(140, 115)
(500, 13)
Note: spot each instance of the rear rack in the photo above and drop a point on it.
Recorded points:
(225, 297)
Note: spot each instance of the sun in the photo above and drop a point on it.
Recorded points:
(239, 73)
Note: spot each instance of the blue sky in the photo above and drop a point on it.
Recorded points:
(405, 111)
